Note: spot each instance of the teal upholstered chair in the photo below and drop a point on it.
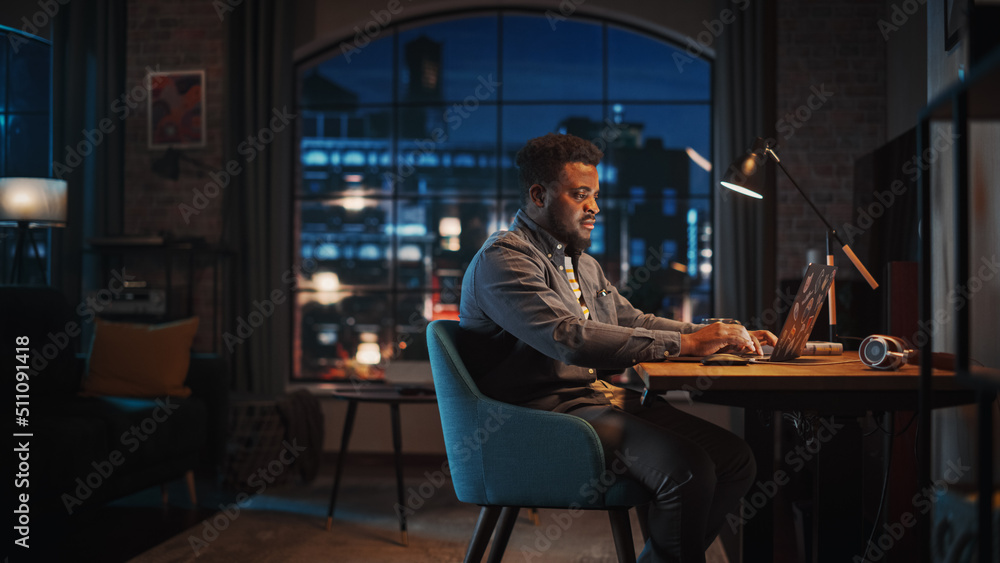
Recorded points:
(504, 457)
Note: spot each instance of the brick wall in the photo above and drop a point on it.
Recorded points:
(831, 109)
(168, 36)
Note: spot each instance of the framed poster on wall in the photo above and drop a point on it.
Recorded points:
(176, 106)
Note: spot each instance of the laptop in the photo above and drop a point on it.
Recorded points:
(801, 317)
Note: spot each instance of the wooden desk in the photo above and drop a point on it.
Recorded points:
(825, 383)
(811, 384)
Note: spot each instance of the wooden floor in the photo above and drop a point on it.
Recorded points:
(140, 528)
(122, 530)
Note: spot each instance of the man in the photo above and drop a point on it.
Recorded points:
(546, 322)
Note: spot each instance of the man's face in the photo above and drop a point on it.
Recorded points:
(570, 206)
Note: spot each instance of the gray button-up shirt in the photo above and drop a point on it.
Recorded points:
(528, 342)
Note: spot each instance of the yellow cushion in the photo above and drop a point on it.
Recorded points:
(140, 360)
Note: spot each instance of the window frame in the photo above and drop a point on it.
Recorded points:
(501, 197)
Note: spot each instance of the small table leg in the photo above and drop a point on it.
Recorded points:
(397, 448)
(352, 407)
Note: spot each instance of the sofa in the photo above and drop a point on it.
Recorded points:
(85, 451)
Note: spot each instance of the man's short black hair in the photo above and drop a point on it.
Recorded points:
(542, 159)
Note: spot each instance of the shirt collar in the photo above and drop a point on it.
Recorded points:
(547, 243)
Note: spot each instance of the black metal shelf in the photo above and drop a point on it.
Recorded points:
(974, 99)
(178, 297)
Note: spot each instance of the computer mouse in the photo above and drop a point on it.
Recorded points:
(725, 360)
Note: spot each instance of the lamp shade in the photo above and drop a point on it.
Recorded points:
(35, 201)
(746, 174)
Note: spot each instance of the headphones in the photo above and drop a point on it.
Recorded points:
(884, 352)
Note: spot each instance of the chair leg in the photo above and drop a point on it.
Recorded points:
(507, 518)
(481, 536)
(642, 512)
(621, 528)
(533, 516)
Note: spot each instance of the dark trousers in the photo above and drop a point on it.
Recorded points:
(697, 471)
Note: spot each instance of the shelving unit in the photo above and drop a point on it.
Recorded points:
(155, 298)
(976, 98)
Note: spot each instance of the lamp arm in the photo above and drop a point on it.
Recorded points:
(847, 249)
(861, 267)
(829, 227)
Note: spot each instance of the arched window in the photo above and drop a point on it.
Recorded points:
(406, 165)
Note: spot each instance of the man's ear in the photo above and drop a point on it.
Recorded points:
(536, 193)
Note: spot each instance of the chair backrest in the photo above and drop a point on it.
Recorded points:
(458, 399)
(507, 455)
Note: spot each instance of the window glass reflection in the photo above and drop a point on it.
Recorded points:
(343, 335)
(348, 150)
(551, 59)
(667, 146)
(361, 76)
(643, 68)
(449, 61)
(4, 41)
(414, 311)
(30, 64)
(349, 240)
(446, 153)
(28, 138)
(667, 264)
(437, 240)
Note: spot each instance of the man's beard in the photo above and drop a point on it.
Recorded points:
(574, 241)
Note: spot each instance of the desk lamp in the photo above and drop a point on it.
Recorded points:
(29, 203)
(742, 177)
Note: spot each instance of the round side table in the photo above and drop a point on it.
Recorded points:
(392, 395)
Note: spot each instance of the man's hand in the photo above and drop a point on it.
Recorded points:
(761, 337)
(718, 337)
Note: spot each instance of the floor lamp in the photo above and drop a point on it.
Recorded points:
(745, 176)
(27, 204)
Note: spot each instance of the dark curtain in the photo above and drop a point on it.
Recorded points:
(88, 74)
(744, 91)
(257, 216)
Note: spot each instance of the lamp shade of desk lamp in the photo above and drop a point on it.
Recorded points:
(28, 203)
(745, 176)
(742, 175)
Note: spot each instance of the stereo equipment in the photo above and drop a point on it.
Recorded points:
(138, 301)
